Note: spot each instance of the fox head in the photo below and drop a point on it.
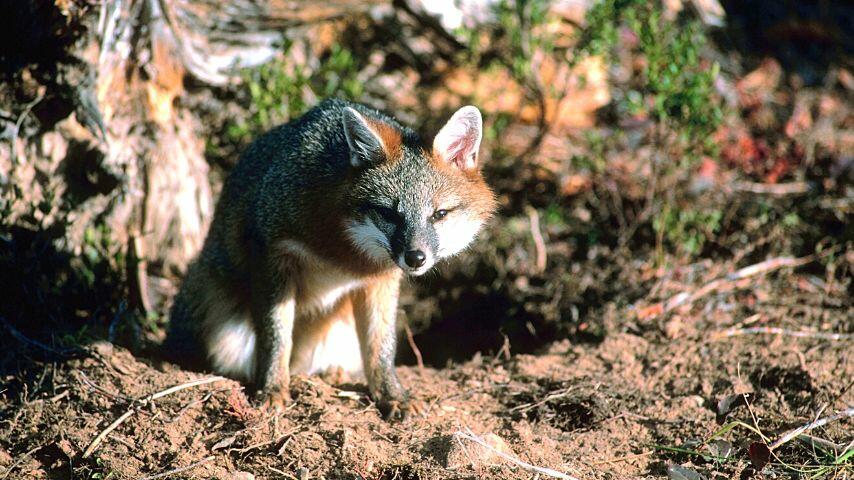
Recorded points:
(412, 206)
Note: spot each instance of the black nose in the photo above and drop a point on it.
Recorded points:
(414, 258)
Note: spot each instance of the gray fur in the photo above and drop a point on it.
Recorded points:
(365, 147)
(303, 182)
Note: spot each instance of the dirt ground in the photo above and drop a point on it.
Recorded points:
(631, 405)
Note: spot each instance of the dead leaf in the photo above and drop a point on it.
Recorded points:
(224, 443)
(801, 119)
(676, 472)
(846, 79)
(759, 455)
(574, 184)
(651, 311)
(711, 12)
(66, 448)
(731, 402)
(691, 444)
(720, 448)
(759, 84)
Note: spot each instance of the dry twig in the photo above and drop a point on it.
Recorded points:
(46, 349)
(137, 274)
(724, 283)
(99, 389)
(792, 188)
(281, 472)
(191, 404)
(624, 459)
(549, 397)
(141, 403)
(20, 459)
(732, 332)
(179, 470)
(413, 346)
(469, 435)
(17, 128)
(537, 235)
(788, 436)
(284, 436)
(826, 444)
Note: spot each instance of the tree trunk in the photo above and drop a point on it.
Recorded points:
(98, 136)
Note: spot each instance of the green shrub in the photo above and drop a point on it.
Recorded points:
(687, 229)
(675, 89)
(274, 97)
(338, 76)
(676, 86)
(278, 91)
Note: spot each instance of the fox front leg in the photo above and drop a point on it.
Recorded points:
(274, 316)
(375, 308)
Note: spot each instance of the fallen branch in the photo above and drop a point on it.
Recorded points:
(624, 459)
(17, 128)
(719, 284)
(469, 435)
(825, 444)
(537, 235)
(769, 266)
(190, 405)
(281, 472)
(99, 389)
(136, 267)
(549, 397)
(64, 354)
(141, 403)
(413, 346)
(179, 470)
(278, 439)
(792, 188)
(788, 436)
(20, 459)
(732, 332)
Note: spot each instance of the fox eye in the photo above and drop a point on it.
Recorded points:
(387, 214)
(439, 214)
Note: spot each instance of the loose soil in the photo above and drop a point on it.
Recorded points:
(615, 408)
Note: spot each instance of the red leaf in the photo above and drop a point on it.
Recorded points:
(759, 455)
(651, 311)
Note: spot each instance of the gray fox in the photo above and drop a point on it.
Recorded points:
(314, 229)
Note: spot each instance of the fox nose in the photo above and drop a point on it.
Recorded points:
(414, 258)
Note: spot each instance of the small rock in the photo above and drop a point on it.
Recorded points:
(66, 448)
(242, 476)
(673, 327)
(5, 458)
(103, 348)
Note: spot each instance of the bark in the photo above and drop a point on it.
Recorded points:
(96, 129)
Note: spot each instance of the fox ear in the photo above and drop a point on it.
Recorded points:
(459, 140)
(366, 147)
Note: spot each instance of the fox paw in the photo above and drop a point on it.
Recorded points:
(274, 400)
(401, 410)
